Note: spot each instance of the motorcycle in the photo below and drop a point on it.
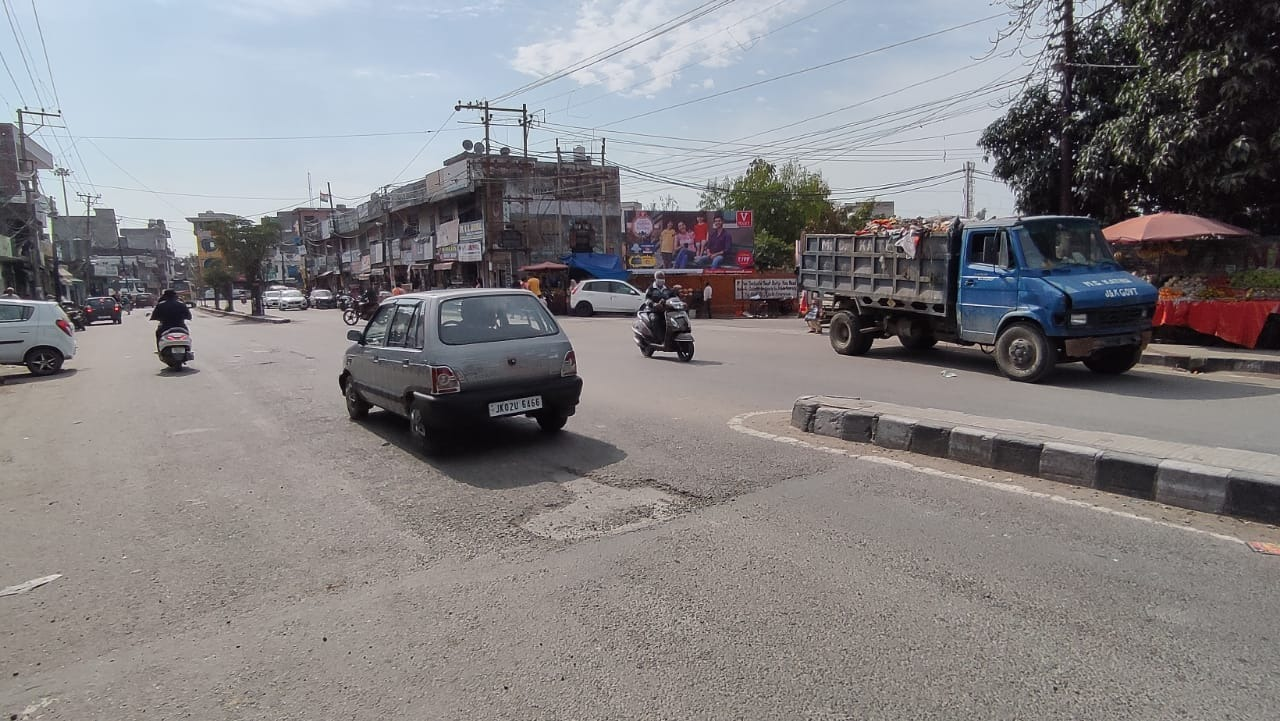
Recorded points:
(75, 314)
(677, 337)
(353, 315)
(174, 347)
(343, 301)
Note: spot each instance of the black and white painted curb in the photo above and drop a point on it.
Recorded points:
(1210, 489)
(1211, 364)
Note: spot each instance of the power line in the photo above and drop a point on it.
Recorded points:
(14, 80)
(618, 48)
(45, 49)
(424, 146)
(258, 137)
(194, 195)
(809, 69)
(13, 27)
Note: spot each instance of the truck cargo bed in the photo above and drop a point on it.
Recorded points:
(872, 270)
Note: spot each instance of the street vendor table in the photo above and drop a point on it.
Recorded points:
(1235, 321)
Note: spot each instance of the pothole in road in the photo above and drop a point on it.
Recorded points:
(598, 509)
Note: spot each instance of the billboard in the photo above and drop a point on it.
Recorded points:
(712, 241)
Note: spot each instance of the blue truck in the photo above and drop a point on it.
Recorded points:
(1036, 291)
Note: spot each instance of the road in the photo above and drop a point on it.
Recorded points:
(233, 548)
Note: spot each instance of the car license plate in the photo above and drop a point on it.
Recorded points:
(519, 405)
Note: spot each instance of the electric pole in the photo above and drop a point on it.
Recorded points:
(89, 202)
(604, 195)
(30, 184)
(62, 173)
(968, 188)
(1066, 158)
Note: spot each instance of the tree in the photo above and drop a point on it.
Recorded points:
(216, 276)
(784, 200)
(247, 248)
(773, 253)
(1175, 104)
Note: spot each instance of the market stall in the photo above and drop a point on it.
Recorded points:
(554, 279)
(1215, 279)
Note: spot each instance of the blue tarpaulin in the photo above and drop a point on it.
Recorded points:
(600, 265)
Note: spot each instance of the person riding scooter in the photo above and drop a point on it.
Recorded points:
(171, 312)
(657, 293)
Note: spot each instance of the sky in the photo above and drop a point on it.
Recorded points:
(173, 107)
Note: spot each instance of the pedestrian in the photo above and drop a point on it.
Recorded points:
(397, 290)
(706, 299)
(813, 314)
(10, 293)
(535, 285)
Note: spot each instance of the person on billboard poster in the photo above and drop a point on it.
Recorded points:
(700, 231)
(667, 245)
(718, 250)
(684, 245)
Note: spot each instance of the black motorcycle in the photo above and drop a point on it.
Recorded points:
(75, 314)
(675, 334)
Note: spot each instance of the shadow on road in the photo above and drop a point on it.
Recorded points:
(506, 453)
(18, 379)
(1138, 383)
(167, 372)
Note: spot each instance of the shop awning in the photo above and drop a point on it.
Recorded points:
(363, 276)
(66, 276)
(600, 265)
(443, 266)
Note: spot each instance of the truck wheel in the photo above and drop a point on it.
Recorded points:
(1023, 353)
(1114, 361)
(915, 336)
(846, 337)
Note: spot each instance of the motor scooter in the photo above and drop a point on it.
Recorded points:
(677, 336)
(174, 347)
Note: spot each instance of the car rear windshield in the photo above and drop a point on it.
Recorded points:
(102, 301)
(490, 318)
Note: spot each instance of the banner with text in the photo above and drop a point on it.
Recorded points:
(716, 241)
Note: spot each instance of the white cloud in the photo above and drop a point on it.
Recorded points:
(709, 83)
(716, 40)
(436, 9)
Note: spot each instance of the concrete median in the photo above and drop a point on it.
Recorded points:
(1212, 480)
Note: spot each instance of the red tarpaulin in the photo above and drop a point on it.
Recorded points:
(546, 267)
(1238, 322)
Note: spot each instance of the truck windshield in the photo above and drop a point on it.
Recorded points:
(1056, 243)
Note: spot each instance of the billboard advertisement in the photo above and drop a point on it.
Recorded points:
(711, 241)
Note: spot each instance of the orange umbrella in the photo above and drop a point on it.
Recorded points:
(1170, 226)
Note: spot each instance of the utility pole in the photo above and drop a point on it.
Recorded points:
(488, 111)
(29, 187)
(1066, 159)
(559, 199)
(62, 173)
(969, 167)
(604, 196)
(89, 201)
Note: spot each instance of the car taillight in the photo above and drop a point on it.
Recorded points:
(65, 326)
(87, 309)
(117, 308)
(569, 367)
(444, 380)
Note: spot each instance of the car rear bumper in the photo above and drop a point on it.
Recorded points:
(559, 395)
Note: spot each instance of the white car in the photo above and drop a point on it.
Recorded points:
(271, 298)
(605, 296)
(36, 334)
(292, 299)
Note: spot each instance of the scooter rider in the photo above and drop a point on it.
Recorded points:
(171, 312)
(657, 293)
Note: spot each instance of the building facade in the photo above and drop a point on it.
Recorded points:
(26, 252)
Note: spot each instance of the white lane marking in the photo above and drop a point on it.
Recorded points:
(189, 431)
(737, 423)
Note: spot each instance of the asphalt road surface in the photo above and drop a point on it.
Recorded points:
(232, 547)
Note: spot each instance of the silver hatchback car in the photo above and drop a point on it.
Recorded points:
(450, 357)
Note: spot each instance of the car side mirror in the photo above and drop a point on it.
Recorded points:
(355, 336)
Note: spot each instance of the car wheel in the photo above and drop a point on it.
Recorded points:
(426, 437)
(846, 336)
(584, 309)
(116, 321)
(43, 361)
(357, 408)
(551, 422)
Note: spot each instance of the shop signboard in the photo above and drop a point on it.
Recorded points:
(447, 234)
(365, 264)
(375, 252)
(709, 241)
(470, 251)
(767, 288)
(447, 253)
(471, 231)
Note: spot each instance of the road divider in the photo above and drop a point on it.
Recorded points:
(1214, 480)
(243, 316)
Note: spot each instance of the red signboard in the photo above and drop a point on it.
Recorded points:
(744, 218)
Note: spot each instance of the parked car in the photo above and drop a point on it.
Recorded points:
(271, 298)
(143, 300)
(292, 300)
(605, 296)
(447, 358)
(321, 298)
(36, 334)
(101, 308)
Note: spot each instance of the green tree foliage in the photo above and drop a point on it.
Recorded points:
(774, 253)
(784, 200)
(247, 248)
(217, 277)
(1192, 128)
